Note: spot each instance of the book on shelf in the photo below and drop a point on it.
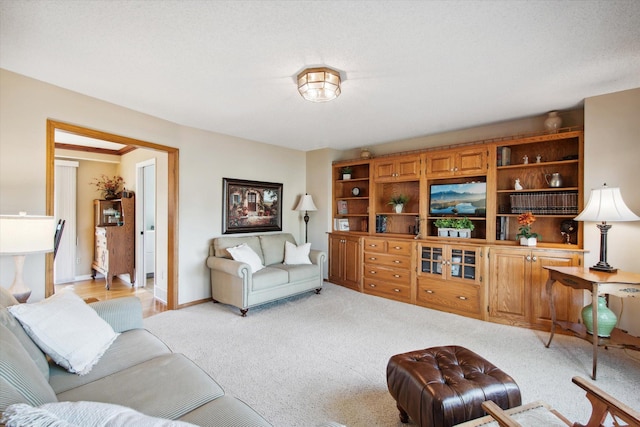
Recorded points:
(342, 207)
(504, 156)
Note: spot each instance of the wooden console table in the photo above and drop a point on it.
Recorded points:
(621, 284)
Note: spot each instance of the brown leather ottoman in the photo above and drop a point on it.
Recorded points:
(444, 386)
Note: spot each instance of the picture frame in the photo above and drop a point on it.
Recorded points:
(342, 224)
(251, 206)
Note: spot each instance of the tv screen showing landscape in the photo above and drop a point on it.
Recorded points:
(469, 199)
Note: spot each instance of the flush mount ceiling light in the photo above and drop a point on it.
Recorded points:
(319, 84)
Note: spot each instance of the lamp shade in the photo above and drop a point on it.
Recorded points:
(319, 84)
(606, 205)
(26, 234)
(306, 204)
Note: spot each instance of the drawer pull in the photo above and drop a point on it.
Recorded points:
(396, 290)
(396, 261)
(463, 298)
(372, 272)
(396, 276)
(373, 246)
(397, 247)
(371, 285)
(429, 291)
(373, 258)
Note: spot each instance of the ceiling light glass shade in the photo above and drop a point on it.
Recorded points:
(319, 84)
(306, 204)
(606, 205)
(26, 234)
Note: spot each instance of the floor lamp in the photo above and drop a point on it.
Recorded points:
(605, 205)
(306, 204)
(21, 235)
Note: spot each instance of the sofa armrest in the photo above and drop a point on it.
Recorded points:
(317, 257)
(122, 314)
(229, 266)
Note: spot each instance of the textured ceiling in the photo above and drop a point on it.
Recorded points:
(411, 68)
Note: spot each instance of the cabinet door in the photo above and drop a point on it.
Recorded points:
(471, 162)
(352, 262)
(408, 168)
(510, 273)
(440, 164)
(336, 264)
(568, 302)
(384, 170)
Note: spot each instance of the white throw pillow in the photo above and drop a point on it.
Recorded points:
(244, 253)
(84, 414)
(66, 329)
(294, 255)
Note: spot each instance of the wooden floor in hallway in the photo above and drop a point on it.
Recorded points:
(94, 289)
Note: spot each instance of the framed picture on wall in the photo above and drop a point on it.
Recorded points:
(251, 206)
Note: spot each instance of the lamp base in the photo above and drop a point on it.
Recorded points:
(603, 267)
(22, 297)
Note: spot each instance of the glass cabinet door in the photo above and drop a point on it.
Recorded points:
(458, 263)
(432, 259)
(463, 264)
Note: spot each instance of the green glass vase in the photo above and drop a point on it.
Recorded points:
(606, 318)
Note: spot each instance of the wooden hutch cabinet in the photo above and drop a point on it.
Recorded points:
(488, 275)
(114, 250)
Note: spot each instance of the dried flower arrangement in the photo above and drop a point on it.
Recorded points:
(110, 187)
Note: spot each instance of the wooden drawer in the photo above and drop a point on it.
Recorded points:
(449, 296)
(375, 245)
(388, 246)
(387, 290)
(377, 273)
(388, 260)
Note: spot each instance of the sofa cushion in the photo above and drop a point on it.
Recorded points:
(225, 411)
(66, 329)
(20, 379)
(244, 253)
(129, 349)
(273, 247)
(296, 255)
(85, 414)
(298, 273)
(34, 351)
(167, 386)
(220, 245)
(270, 277)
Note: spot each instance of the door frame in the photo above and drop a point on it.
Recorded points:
(172, 208)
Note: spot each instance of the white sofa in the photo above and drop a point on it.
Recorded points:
(235, 283)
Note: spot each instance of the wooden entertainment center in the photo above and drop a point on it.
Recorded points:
(488, 276)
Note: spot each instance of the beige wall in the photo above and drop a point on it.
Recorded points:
(205, 157)
(612, 152)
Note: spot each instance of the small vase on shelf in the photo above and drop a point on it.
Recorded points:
(606, 318)
(398, 208)
(553, 122)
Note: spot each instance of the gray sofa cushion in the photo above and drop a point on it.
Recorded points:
(185, 387)
(34, 351)
(269, 277)
(273, 247)
(220, 245)
(20, 379)
(225, 411)
(129, 349)
(300, 272)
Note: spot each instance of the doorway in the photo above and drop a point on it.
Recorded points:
(172, 196)
(146, 227)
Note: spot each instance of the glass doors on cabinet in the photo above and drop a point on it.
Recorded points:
(449, 262)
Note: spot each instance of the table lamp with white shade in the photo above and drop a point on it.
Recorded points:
(21, 235)
(605, 205)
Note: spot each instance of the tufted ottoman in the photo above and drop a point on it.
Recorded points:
(444, 386)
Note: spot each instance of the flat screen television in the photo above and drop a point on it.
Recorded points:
(465, 199)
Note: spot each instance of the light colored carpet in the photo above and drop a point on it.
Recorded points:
(317, 358)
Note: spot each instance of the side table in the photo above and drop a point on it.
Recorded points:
(621, 284)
